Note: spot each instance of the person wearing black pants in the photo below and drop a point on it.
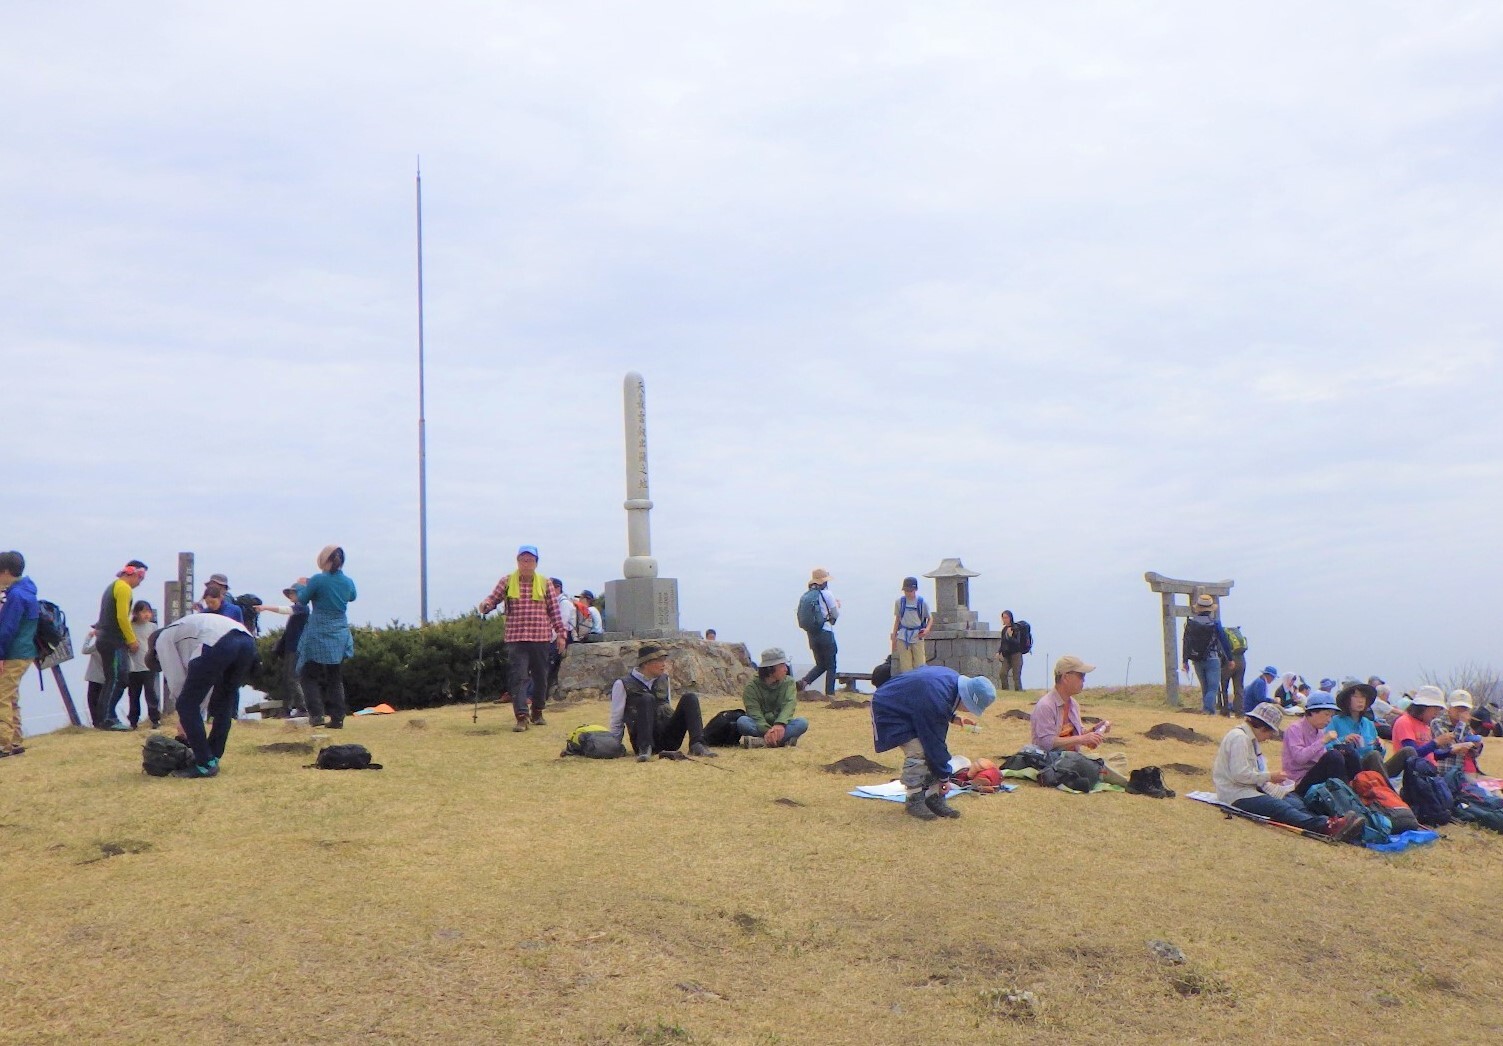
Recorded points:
(527, 667)
(642, 706)
(204, 656)
(323, 691)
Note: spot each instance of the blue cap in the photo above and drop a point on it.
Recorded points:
(977, 693)
(1269, 670)
(1328, 684)
(1320, 699)
(529, 550)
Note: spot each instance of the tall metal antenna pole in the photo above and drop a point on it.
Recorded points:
(422, 420)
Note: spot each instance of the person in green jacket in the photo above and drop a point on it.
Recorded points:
(770, 700)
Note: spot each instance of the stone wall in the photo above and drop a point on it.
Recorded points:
(712, 669)
(968, 651)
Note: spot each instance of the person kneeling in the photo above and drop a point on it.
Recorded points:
(913, 711)
(642, 707)
(770, 700)
(1241, 776)
(204, 656)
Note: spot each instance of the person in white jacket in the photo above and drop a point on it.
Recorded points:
(204, 655)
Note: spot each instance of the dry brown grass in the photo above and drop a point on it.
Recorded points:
(480, 889)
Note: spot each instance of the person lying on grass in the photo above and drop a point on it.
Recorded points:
(770, 701)
(1055, 723)
(1354, 729)
(642, 706)
(913, 711)
(1240, 774)
(1306, 758)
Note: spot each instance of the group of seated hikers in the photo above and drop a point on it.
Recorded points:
(1383, 709)
(1334, 751)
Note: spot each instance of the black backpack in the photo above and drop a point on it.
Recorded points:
(1426, 793)
(1199, 636)
(593, 742)
(54, 643)
(161, 755)
(1025, 637)
(346, 757)
(248, 604)
(721, 732)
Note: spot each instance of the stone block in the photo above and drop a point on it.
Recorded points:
(643, 605)
(713, 669)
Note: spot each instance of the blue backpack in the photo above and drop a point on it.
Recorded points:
(811, 611)
(1335, 798)
(1426, 793)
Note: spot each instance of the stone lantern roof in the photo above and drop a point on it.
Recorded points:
(951, 568)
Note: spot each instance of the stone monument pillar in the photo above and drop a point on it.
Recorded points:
(640, 605)
(958, 638)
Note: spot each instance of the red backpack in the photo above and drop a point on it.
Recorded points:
(1374, 790)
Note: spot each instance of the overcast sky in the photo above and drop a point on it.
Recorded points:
(1069, 291)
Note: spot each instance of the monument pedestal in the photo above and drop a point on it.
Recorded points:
(645, 607)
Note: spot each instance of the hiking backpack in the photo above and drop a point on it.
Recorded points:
(1236, 640)
(161, 755)
(1025, 637)
(1200, 636)
(248, 604)
(1335, 798)
(346, 757)
(593, 742)
(920, 608)
(1426, 793)
(1479, 815)
(811, 611)
(54, 643)
(721, 732)
(1375, 791)
(1078, 773)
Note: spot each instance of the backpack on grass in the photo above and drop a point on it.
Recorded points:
(1375, 792)
(1479, 815)
(1335, 798)
(346, 757)
(721, 732)
(593, 742)
(1078, 773)
(1426, 793)
(161, 755)
(811, 611)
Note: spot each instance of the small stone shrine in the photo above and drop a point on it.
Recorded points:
(958, 639)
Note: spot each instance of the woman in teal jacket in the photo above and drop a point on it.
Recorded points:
(1354, 729)
(326, 641)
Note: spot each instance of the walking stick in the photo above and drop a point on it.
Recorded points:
(479, 663)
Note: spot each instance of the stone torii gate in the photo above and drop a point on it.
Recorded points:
(1169, 589)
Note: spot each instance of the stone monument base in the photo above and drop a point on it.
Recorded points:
(712, 669)
(642, 606)
(968, 651)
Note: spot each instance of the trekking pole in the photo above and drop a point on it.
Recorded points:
(479, 663)
(1127, 675)
(712, 766)
(1233, 811)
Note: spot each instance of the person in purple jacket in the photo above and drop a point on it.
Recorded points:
(1306, 759)
(913, 711)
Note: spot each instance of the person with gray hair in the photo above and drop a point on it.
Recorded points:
(771, 700)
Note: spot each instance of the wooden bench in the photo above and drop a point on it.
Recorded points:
(848, 680)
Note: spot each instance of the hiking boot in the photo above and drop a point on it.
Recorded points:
(753, 741)
(211, 770)
(538, 720)
(1149, 781)
(940, 805)
(644, 755)
(317, 720)
(115, 724)
(914, 806)
(702, 750)
(333, 725)
(1346, 829)
(521, 727)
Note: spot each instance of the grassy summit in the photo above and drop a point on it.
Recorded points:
(480, 889)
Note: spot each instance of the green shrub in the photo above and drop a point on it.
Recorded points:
(410, 666)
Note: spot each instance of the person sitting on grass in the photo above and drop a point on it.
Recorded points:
(642, 707)
(1256, 692)
(913, 711)
(1240, 774)
(1306, 758)
(1354, 728)
(1055, 723)
(1457, 721)
(204, 656)
(770, 700)
(1412, 737)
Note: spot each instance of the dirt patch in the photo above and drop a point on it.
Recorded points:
(855, 764)
(1113, 741)
(1175, 732)
(1183, 768)
(1092, 719)
(848, 702)
(1016, 713)
(788, 802)
(286, 748)
(417, 724)
(103, 851)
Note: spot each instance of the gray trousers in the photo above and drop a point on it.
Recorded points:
(916, 776)
(1012, 671)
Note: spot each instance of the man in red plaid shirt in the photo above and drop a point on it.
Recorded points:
(532, 622)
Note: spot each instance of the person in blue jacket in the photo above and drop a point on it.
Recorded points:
(913, 711)
(18, 629)
(326, 642)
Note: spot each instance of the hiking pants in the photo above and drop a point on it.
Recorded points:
(526, 661)
(822, 646)
(1282, 812)
(916, 777)
(908, 656)
(1012, 671)
(323, 690)
(217, 673)
(1341, 763)
(794, 729)
(649, 733)
(144, 683)
(115, 660)
(1209, 672)
(10, 701)
(292, 687)
(1231, 678)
